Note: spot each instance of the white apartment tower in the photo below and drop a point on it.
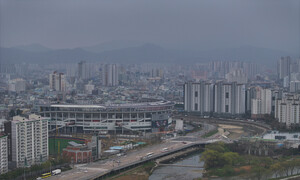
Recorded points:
(57, 81)
(229, 98)
(261, 104)
(287, 110)
(3, 154)
(198, 97)
(29, 140)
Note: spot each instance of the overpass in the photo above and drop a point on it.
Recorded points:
(119, 169)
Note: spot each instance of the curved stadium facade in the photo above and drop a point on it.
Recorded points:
(149, 116)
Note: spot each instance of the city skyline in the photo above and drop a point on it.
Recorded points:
(117, 88)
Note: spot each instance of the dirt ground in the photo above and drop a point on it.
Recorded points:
(234, 131)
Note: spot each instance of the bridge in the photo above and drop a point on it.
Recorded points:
(119, 169)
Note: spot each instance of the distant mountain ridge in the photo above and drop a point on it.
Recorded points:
(112, 45)
(145, 53)
(33, 48)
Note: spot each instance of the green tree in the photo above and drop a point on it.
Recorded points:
(219, 147)
(260, 172)
(231, 158)
(277, 169)
(212, 159)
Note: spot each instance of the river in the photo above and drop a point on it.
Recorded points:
(179, 173)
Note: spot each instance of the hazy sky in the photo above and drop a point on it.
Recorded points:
(202, 24)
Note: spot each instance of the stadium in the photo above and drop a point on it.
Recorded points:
(115, 118)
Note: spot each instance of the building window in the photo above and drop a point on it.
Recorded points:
(196, 106)
(295, 136)
(280, 137)
(227, 95)
(226, 108)
(196, 93)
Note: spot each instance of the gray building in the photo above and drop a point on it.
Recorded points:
(198, 97)
(203, 97)
(229, 98)
(284, 68)
(110, 75)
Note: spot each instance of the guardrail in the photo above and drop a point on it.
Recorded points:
(117, 170)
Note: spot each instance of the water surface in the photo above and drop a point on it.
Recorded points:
(179, 173)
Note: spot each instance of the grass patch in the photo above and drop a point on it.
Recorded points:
(56, 145)
(210, 133)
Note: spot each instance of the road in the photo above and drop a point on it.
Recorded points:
(88, 171)
(94, 169)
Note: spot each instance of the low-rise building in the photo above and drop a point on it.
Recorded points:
(78, 153)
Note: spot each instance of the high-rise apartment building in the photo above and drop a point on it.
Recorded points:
(261, 103)
(29, 140)
(228, 98)
(295, 86)
(84, 70)
(198, 97)
(287, 110)
(237, 75)
(3, 154)
(283, 67)
(110, 76)
(57, 81)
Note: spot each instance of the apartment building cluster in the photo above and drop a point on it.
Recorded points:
(229, 98)
(288, 72)
(234, 69)
(220, 98)
(23, 142)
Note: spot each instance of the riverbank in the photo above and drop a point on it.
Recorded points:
(144, 171)
(222, 162)
(186, 168)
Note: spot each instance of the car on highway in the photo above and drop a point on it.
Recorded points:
(164, 149)
(149, 154)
